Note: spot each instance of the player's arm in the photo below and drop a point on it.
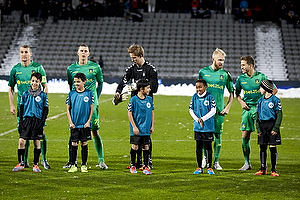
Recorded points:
(242, 102)
(44, 115)
(276, 127)
(152, 123)
(123, 82)
(134, 127)
(88, 123)
(45, 87)
(99, 78)
(238, 90)
(71, 124)
(225, 111)
(257, 124)
(70, 79)
(11, 100)
(153, 80)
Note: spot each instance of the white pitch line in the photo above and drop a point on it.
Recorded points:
(50, 118)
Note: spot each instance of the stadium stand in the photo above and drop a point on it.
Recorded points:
(176, 44)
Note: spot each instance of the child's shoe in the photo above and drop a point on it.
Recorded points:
(198, 171)
(36, 169)
(274, 173)
(210, 171)
(19, 167)
(84, 168)
(133, 170)
(146, 171)
(261, 172)
(73, 169)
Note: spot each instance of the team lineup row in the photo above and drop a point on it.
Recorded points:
(212, 82)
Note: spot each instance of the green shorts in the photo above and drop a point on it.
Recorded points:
(95, 118)
(248, 119)
(219, 122)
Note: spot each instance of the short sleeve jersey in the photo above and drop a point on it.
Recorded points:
(217, 80)
(267, 108)
(201, 106)
(93, 75)
(20, 75)
(34, 106)
(80, 106)
(250, 86)
(142, 114)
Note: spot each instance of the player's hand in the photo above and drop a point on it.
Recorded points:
(136, 131)
(245, 106)
(151, 130)
(117, 95)
(13, 110)
(200, 121)
(86, 125)
(72, 126)
(259, 134)
(273, 133)
(225, 111)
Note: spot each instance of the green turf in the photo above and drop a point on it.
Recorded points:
(173, 158)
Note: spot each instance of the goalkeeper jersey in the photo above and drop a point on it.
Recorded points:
(20, 75)
(250, 86)
(93, 75)
(217, 80)
(142, 114)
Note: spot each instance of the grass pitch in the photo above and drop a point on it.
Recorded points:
(173, 158)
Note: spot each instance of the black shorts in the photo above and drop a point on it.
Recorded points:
(139, 140)
(80, 134)
(29, 131)
(204, 136)
(266, 137)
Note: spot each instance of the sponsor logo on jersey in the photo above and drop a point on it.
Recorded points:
(244, 82)
(251, 91)
(217, 86)
(221, 77)
(38, 99)
(206, 75)
(86, 99)
(271, 105)
(19, 73)
(91, 71)
(257, 81)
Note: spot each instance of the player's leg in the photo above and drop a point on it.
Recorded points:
(219, 122)
(43, 143)
(150, 154)
(247, 126)
(199, 151)
(84, 156)
(96, 138)
(146, 169)
(273, 151)
(133, 151)
(68, 164)
(36, 155)
(21, 151)
(73, 158)
(263, 160)
(208, 149)
(27, 144)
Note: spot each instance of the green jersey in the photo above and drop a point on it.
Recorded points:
(20, 75)
(93, 75)
(250, 86)
(216, 81)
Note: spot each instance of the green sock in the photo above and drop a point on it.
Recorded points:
(43, 147)
(99, 148)
(217, 146)
(246, 149)
(27, 144)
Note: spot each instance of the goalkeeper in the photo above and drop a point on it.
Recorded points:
(140, 69)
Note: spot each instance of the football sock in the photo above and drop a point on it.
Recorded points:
(21, 153)
(74, 155)
(273, 151)
(99, 148)
(150, 152)
(27, 144)
(43, 147)
(208, 153)
(70, 149)
(132, 156)
(146, 157)
(217, 146)
(246, 149)
(263, 156)
(199, 147)
(139, 161)
(36, 157)
(84, 154)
